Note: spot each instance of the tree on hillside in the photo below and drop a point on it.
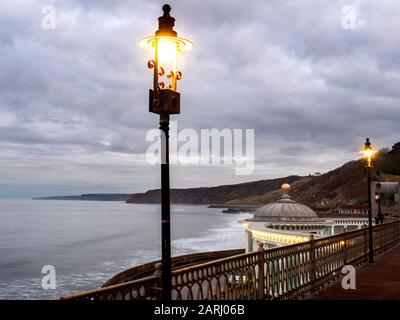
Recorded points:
(395, 148)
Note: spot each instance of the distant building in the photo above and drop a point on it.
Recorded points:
(389, 193)
(286, 222)
(351, 209)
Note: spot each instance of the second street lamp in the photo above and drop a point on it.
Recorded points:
(368, 151)
(164, 100)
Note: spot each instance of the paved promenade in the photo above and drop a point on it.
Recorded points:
(379, 281)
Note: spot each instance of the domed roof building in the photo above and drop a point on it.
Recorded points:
(285, 209)
(286, 221)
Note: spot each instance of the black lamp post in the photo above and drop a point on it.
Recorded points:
(368, 152)
(379, 217)
(164, 100)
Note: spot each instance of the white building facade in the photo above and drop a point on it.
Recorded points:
(286, 222)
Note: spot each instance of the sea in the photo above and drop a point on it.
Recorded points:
(87, 242)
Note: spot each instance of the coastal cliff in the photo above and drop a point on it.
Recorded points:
(344, 184)
(210, 195)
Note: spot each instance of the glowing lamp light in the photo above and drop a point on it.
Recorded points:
(180, 44)
(368, 151)
(166, 50)
(165, 45)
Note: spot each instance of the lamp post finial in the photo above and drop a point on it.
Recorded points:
(166, 9)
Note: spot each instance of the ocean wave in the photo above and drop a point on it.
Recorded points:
(227, 235)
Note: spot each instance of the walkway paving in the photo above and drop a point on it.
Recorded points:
(379, 281)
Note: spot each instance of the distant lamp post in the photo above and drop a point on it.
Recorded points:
(164, 100)
(368, 151)
(379, 217)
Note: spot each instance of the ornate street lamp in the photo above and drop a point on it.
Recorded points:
(164, 100)
(368, 151)
(379, 217)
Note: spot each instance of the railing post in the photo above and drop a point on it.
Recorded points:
(345, 246)
(261, 277)
(394, 233)
(365, 242)
(313, 264)
(398, 230)
(158, 274)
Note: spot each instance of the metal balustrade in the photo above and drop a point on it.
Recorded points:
(287, 272)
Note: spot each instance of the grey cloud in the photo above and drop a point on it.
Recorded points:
(73, 101)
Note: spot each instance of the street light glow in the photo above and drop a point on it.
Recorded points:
(368, 151)
(165, 45)
(165, 50)
(182, 44)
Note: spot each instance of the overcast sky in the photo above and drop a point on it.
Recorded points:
(74, 100)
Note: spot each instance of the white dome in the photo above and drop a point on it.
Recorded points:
(285, 209)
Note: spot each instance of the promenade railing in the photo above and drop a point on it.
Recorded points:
(287, 272)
